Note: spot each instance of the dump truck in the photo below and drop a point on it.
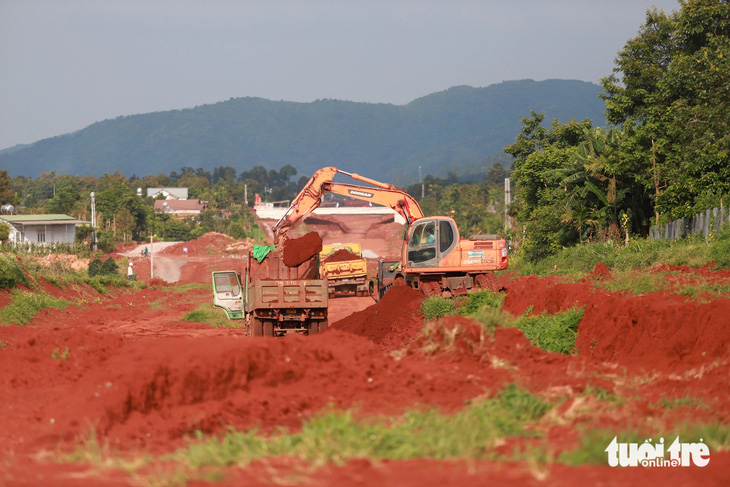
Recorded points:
(435, 259)
(345, 269)
(272, 298)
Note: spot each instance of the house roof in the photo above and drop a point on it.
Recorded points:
(52, 219)
(180, 205)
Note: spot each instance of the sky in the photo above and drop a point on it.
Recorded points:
(65, 64)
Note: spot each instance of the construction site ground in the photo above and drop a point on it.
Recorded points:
(124, 372)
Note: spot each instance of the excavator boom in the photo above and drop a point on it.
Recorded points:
(310, 197)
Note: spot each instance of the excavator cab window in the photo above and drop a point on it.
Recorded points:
(446, 236)
(422, 246)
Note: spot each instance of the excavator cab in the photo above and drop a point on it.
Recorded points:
(430, 240)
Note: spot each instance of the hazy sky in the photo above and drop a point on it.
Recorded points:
(65, 64)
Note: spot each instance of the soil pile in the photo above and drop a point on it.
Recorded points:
(341, 255)
(656, 331)
(600, 273)
(299, 250)
(63, 262)
(206, 244)
(393, 322)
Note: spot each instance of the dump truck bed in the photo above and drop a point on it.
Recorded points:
(294, 293)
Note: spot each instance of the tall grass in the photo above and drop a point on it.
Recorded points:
(25, 305)
(338, 436)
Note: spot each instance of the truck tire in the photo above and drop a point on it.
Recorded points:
(268, 328)
(313, 327)
(257, 328)
(322, 325)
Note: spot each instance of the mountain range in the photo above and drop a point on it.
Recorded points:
(462, 129)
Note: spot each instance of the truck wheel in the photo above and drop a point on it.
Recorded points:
(257, 328)
(313, 327)
(322, 326)
(268, 328)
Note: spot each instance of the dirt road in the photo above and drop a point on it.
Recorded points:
(166, 268)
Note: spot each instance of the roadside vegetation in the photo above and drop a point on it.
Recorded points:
(209, 314)
(553, 333)
(23, 284)
(637, 254)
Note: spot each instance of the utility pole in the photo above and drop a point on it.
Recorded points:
(152, 258)
(423, 190)
(245, 193)
(93, 221)
(507, 202)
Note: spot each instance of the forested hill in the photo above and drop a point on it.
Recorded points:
(443, 131)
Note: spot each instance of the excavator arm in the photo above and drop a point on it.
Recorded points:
(310, 197)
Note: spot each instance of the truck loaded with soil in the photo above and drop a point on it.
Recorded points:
(281, 290)
(345, 269)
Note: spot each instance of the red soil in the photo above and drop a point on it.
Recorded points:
(299, 250)
(393, 322)
(341, 255)
(207, 244)
(129, 369)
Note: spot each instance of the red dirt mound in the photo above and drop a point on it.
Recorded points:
(342, 255)
(543, 295)
(599, 273)
(298, 250)
(393, 322)
(208, 243)
(655, 331)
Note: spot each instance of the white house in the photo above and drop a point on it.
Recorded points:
(41, 228)
(168, 193)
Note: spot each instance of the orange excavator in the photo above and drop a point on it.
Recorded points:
(434, 257)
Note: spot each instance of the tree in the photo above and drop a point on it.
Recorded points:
(124, 222)
(497, 174)
(7, 195)
(118, 195)
(223, 172)
(64, 201)
(670, 87)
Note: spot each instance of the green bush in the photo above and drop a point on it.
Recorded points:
(554, 333)
(720, 249)
(107, 268)
(11, 272)
(437, 307)
(105, 242)
(483, 299)
(95, 267)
